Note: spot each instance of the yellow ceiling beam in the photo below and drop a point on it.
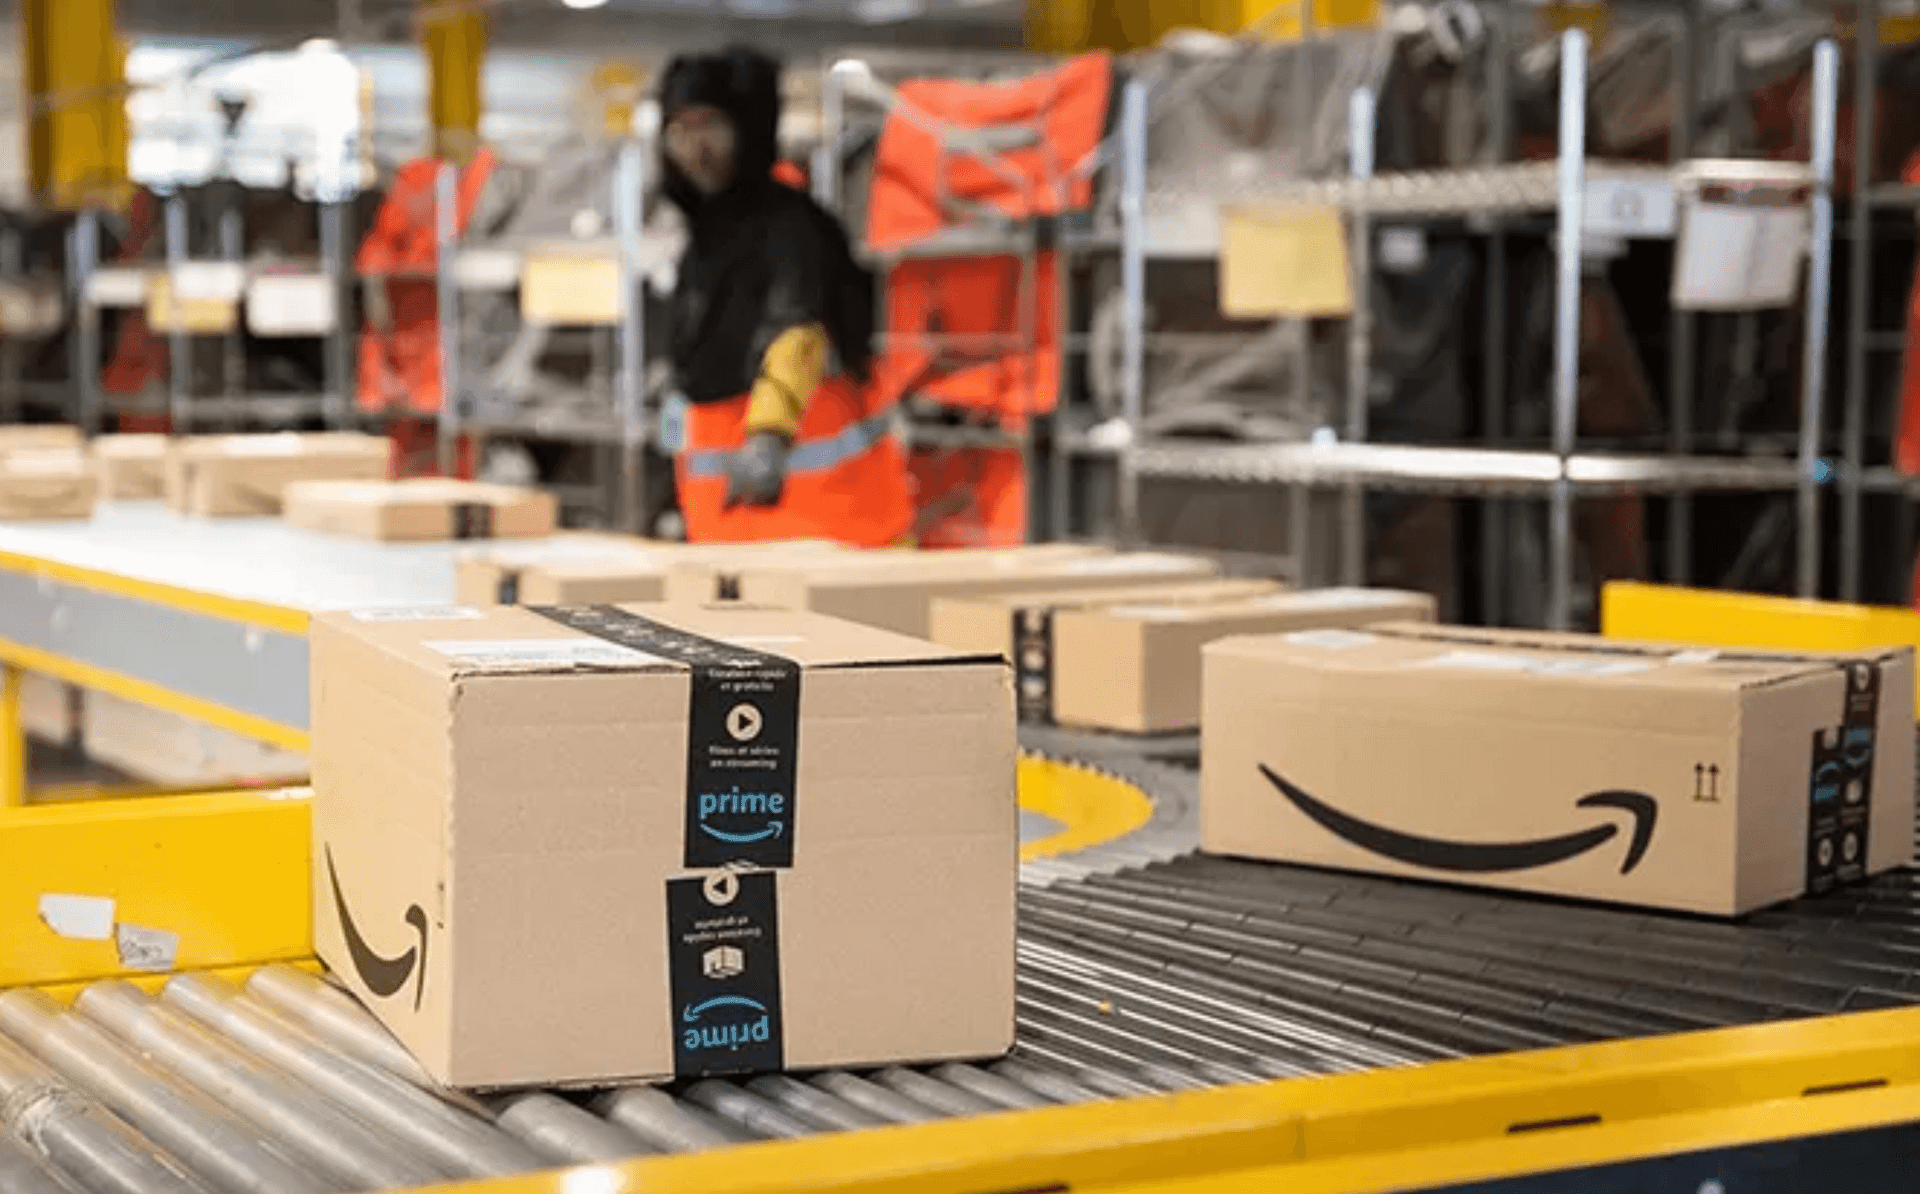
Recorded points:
(454, 33)
(76, 97)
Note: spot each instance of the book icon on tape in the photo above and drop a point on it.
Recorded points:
(723, 962)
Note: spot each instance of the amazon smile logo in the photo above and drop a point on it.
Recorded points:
(755, 1029)
(1484, 858)
(383, 976)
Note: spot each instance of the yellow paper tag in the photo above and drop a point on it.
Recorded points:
(1283, 262)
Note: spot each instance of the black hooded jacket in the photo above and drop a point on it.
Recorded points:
(761, 258)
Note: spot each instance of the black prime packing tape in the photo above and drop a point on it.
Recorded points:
(1840, 785)
(472, 520)
(1033, 664)
(723, 955)
(743, 736)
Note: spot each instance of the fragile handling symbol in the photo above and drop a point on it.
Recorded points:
(1706, 783)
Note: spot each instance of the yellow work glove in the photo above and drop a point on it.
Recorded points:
(794, 366)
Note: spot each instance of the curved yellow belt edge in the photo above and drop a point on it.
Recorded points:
(1093, 809)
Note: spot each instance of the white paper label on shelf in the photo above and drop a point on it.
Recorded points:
(417, 613)
(209, 281)
(151, 950)
(517, 653)
(118, 288)
(78, 917)
(486, 269)
(1739, 258)
(291, 305)
(1637, 207)
(1403, 250)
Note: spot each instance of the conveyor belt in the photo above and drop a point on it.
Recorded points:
(1142, 969)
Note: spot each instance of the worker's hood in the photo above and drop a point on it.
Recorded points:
(743, 83)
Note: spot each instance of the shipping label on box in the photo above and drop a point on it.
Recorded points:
(1689, 779)
(681, 825)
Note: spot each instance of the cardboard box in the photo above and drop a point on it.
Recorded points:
(491, 575)
(707, 572)
(47, 485)
(895, 590)
(583, 848)
(1136, 667)
(132, 468)
(39, 437)
(420, 510)
(1018, 626)
(238, 476)
(1572, 765)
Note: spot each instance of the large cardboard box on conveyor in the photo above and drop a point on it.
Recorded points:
(420, 510)
(895, 590)
(1019, 625)
(1135, 667)
(596, 845)
(47, 485)
(227, 476)
(1571, 765)
(132, 468)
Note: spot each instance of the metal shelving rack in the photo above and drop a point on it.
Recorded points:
(1561, 189)
(464, 266)
(98, 287)
(1863, 341)
(849, 80)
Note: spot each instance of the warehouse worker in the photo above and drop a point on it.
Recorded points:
(777, 433)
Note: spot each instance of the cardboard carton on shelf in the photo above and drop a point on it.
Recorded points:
(896, 590)
(420, 510)
(132, 468)
(238, 476)
(1570, 765)
(47, 485)
(681, 825)
(1136, 666)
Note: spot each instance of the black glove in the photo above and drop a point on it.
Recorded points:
(758, 474)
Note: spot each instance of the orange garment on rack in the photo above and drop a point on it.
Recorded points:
(139, 357)
(400, 363)
(956, 329)
(970, 497)
(957, 334)
(846, 479)
(1906, 451)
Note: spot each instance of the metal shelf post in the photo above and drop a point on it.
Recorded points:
(1826, 99)
(446, 226)
(1353, 500)
(630, 381)
(1569, 222)
(1133, 289)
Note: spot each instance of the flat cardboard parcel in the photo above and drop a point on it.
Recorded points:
(1662, 776)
